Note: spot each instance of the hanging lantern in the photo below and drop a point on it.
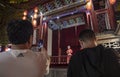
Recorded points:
(112, 1)
(89, 5)
(24, 18)
(36, 10)
(25, 13)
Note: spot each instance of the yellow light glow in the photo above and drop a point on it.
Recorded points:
(25, 13)
(24, 18)
(89, 5)
(36, 10)
(34, 22)
(112, 1)
(35, 16)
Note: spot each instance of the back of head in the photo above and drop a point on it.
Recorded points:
(87, 35)
(19, 31)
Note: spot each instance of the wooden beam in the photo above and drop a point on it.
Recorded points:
(74, 5)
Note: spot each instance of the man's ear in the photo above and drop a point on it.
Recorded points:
(81, 44)
(80, 41)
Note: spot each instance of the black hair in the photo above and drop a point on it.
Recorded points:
(19, 31)
(87, 35)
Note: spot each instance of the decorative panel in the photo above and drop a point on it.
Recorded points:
(115, 44)
(111, 42)
(99, 4)
(66, 22)
(68, 1)
(43, 8)
(102, 20)
(58, 3)
(50, 6)
(55, 4)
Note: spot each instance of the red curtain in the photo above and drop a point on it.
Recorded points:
(68, 36)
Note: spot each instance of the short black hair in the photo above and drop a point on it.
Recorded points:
(87, 35)
(19, 31)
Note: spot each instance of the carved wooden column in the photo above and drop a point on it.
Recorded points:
(59, 49)
(111, 15)
(94, 24)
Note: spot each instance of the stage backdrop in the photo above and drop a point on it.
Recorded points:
(68, 36)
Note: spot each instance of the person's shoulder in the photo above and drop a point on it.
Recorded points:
(32, 53)
(95, 49)
(76, 58)
(110, 51)
(77, 54)
(4, 56)
(105, 50)
(111, 54)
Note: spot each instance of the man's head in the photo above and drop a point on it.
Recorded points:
(87, 38)
(19, 31)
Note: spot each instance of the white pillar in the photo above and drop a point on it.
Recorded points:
(49, 44)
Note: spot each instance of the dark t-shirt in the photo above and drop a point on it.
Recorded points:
(94, 62)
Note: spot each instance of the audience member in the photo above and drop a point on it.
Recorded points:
(69, 53)
(20, 61)
(93, 60)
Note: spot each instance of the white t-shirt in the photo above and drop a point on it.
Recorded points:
(22, 63)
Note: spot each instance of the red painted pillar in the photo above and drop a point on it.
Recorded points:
(94, 23)
(111, 15)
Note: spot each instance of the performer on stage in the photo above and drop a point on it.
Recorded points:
(69, 53)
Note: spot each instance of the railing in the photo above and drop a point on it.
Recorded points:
(59, 60)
